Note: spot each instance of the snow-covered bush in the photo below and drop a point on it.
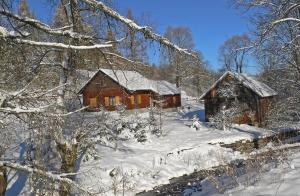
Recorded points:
(121, 181)
(227, 115)
(155, 121)
(196, 123)
(233, 105)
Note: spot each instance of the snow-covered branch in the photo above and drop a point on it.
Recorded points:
(285, 20)
(121, 57)
(147, 31)
(4, 33)
(19, 110)
(49, 175)
(44, 27)
(61, 45)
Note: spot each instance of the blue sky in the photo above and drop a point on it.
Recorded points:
(211, 21)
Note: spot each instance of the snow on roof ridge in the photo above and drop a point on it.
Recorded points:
(134, 81)
(258, 87)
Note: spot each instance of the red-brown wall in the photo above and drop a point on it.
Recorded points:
(102, 86)
(169, 101)
(259, 106)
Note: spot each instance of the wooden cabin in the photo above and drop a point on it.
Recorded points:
(113, 89)
(255, 96)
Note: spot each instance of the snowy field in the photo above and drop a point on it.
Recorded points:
(133, 166)
(280, 179)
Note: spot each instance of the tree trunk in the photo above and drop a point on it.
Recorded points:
(68, 150)
(178, 81)
(68, 154)
(3, 181)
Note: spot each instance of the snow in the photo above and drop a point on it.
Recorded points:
(282, 180)
(62, 46)
(131, 80)
(246, 132)
(134, 81)
(164, 87)
(259, 88)
(44, 27)
(279, 177)
(181, 150)
(3, 32)
(13, 34)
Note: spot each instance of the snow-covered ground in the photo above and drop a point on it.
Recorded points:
(281, 179)
(134, 166)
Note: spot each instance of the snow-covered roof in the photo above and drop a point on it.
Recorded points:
(256, 86)
(134, 81)
(163, 87)
(82, 78)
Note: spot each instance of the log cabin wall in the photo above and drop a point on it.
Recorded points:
(98, 88)
(138, 99)
(171, 101)
(265, 104)
(254, 114)
(104, 91)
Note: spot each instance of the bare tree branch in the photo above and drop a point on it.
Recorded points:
(44, 27)
(147, 31)
(49, 175)
(4, 33)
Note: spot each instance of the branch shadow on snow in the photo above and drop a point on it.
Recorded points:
(17, 187)
(254, 134)
(200, 114)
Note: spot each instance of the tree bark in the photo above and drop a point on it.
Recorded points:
(3, 181)
(68, 153)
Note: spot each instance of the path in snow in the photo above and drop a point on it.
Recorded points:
(179, 151)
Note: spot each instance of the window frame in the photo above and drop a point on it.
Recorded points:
(112, 101)
(93, 102)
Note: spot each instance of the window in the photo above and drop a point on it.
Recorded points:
(213, 92)
(174, 100)
(112, 101)
(132, 100)
(93, 102)
(139, 99)
(118, 100)
(106, 101)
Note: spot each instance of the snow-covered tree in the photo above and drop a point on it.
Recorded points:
(231, 108)
(276, 47)
(57, 134)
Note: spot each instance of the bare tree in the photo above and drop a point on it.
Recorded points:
(277, 49)
(233, 53)
(175, 66)
(135, 46)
